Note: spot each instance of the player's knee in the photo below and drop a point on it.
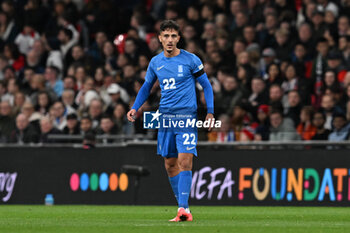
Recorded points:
(171, 168)
(185, 165)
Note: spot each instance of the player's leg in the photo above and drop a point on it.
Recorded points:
(185, 179)
(186, 142)
(172, 168)
(185, 182)
(167, 149)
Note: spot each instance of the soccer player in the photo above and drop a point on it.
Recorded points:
(177, 71)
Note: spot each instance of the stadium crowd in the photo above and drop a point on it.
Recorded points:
(280, 70)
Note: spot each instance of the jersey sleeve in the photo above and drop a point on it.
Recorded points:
(151, 76)
(196, 66)
(144, 92)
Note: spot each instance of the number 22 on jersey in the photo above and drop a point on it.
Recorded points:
(169, 83)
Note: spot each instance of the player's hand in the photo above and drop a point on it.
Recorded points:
(131, 115)
(211, 118)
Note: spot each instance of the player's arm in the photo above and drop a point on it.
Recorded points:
(202, 79)
(208, 92)
(144, 92)
(208, 95)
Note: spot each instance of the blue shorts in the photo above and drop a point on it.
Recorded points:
(172, 141)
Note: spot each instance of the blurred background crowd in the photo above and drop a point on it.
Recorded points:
(280, 70)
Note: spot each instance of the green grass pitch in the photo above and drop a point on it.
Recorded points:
(125, 219)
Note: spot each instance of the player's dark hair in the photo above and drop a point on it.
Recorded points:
(169, 24)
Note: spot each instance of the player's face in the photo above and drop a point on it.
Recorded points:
(169, 39)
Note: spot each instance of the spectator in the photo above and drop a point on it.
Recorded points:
(33, 116)
(79, 58)
(343, 25)
(209, 32)
(120, 120)
(33, 62)
(258, 95)
(249, 34)
(24, 83)
(284, 46)
(37, 84)
(268, 57)
(60, 112)
(318, 121)
(68, 100)
(54, 57)
(110, 56)
(276, 97)
(47, 129)
(328, 108)
(240, 119)
(9, 73)
(12, 89)
(291, 82)
(14, 57)
(340, 130)
(247, 134)
(95, 112)
(229, 96)
(263, 127)
(18, 102)
(26, 38)
(294, 107)
(319, 26)
(53, 81)
(8, 29)
(117, 95)
(67, 40)
(107, 129)
(86, 125)
(69, 82)
(43, 103)
(223, 134)
(86, 94)
(330, 80)
(3, 64)
(305, 37)
(334, 62)
(301, 61)
(274, 75)
(7, 123)
(282, 129)
(319, 66)
(306, 129)
(344, 47)
(72, 127)
(154, 46)
(24, 132)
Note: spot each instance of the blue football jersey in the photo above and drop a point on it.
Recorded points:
(177, 81)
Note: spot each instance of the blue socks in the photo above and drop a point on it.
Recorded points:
(174, 181)
(184, 188)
